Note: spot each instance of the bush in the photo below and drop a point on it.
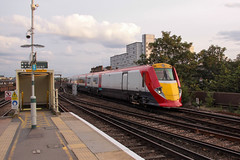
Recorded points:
(209, 100)
(185, 94)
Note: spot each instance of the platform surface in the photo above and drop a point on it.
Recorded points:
(62, 137)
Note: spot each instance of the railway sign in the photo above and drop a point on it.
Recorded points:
(14, 104)
(14, 96)
(34, 67)
(8, 95)
(14, 100)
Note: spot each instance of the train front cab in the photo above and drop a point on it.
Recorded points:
(170, 88)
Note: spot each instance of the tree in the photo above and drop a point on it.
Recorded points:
(143, 60)
(238, 57)
(169, 49)
(212, 63)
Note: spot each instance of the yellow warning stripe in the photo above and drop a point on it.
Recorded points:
(7, 137)
(64, 147)
(74, 143)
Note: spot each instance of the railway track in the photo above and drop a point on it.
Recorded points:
(5, 108)
(190, 123)
(218, 118)
(220, 125)
(151, 128)
(62, 108)
(3, 103)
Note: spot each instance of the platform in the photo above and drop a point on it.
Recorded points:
(62, 137)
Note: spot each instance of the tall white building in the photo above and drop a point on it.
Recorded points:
(134, 51)
(124, 60)
(146, 39)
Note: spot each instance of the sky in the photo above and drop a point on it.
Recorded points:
(79, 35)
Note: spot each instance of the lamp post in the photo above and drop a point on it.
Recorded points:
(33, 60)
(33, 63)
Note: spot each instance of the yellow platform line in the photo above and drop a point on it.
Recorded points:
(74, 143)
(46, 120)
(7, 137)
(14, 146)
(42, 120)
(64, 147)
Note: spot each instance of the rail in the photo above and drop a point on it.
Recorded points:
(112, 118)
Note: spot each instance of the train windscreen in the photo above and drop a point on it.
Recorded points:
(164, 74)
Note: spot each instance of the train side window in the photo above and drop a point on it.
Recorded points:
(95, 80)
(81, 80)
(143, 79)
(88, 80)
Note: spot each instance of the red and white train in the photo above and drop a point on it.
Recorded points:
(156, 85)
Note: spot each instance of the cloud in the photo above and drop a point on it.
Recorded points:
(84, 28)
(233, 5)
(11, 52)
(10, 43)
(230, 35)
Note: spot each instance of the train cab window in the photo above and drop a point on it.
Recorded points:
(164, 74)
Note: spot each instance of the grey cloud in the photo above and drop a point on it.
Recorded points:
(104, 42)
(233, 5)
(230, 35)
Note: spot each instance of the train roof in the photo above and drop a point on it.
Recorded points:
(142, 67)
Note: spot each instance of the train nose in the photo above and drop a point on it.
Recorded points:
(170, 90)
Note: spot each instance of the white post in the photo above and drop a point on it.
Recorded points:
(33, 97)
(54, 100)
(57, 110)
(74, 89)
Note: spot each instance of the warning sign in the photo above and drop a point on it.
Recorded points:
(8, 95)
(14, 96)
(15, 100)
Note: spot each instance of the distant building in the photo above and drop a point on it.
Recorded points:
(146, 39)
(191, 49)
(133, 53)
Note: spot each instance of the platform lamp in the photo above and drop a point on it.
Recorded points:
(33, 60)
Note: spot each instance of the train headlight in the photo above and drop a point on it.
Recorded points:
(160, 92)
(180, 92)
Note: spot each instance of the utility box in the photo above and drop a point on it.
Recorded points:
(44, 87)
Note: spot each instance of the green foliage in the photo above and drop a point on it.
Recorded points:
(209, 100)
(238, 110)
(170, 49)
(185, 94)
(143, 60)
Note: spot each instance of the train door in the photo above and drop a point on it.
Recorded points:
(143, 82)
(125, 81)
(100, 82)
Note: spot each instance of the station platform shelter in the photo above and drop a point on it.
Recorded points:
(44, 87)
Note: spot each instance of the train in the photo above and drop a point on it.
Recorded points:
(154, 85)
